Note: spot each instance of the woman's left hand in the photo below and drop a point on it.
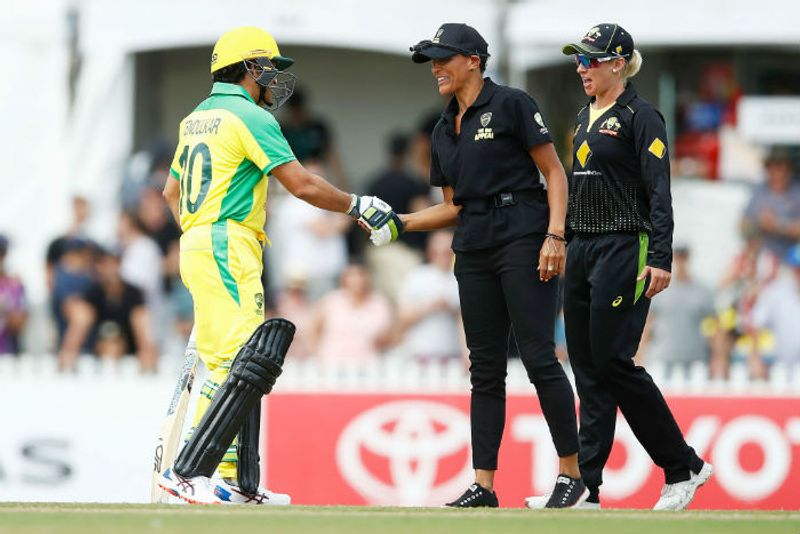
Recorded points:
(552, 258)
(659, 280)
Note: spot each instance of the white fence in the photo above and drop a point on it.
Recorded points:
(397, 374)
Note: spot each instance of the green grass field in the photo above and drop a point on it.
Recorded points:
(36, 518)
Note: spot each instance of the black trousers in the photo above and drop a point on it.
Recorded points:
(604, 312)
(500, 287)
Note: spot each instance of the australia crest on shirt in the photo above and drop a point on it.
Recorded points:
(610, 126)
(485, 132)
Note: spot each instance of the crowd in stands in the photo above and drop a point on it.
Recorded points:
(355, 303)
(754, 313)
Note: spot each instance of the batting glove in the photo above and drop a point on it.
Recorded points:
(384, 224)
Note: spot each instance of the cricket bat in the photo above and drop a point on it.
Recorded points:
(170, 437)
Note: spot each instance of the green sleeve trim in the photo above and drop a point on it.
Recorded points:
(175, 174)
(277, 163)
(219, 245)
(644, 241)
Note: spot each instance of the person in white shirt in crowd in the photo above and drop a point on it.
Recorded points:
(428, 305)
(673, 332)
(307, 240)
(142, 266)
(778, 309)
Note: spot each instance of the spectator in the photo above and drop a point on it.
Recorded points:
(310, 138)
(774, 209)
(142, 266)
(778, 309)
(405, 193)
(308, 240)
(110, 317)
(13, 309)
(747, 274)
(147, 169)
(352, 323)
(399, 187)
(294, 304)
(421, 146)
(156, 219)
(77, 229)
(673, 333)
(429, 310)
(179, 300)
(72, 276)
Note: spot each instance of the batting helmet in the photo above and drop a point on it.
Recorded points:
(258, 51)
(245, 43)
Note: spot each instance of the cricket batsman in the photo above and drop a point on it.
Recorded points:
(227, 148)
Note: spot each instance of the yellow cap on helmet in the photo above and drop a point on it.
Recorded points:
(244, 43)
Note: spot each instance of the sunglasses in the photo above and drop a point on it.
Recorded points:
(592, 62)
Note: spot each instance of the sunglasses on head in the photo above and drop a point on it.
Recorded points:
(592, 62)
(423, 45)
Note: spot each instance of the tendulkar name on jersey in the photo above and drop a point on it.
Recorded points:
(199, 127)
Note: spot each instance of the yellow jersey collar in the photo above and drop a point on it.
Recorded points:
(222, 88)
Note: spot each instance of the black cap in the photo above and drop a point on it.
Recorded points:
(778, 155)
(450, 39)
(74, 244)
(603, 40)
(397, 144)
(680, 249)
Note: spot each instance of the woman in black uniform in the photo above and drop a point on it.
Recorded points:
(487, 151)
(620, 214)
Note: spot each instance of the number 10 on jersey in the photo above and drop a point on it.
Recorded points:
(187, 161)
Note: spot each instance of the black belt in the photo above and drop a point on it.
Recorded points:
(501, 200)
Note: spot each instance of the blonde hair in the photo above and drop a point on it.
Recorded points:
(632, 65)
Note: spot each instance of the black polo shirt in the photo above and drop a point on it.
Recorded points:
(620, 175)
(491, 156)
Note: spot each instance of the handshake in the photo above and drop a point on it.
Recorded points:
(376, 216)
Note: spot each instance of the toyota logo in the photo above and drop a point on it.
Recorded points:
(407, 453)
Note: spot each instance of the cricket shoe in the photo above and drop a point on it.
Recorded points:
(229, 493)
(195, 490)
(476, 496)
(568, 493)
(677, 496)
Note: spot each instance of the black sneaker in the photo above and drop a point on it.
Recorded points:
(568, 493)
(475, 497)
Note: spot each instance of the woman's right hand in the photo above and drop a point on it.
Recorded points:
(552, 258)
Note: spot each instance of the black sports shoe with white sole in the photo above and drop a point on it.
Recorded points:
(568, 493)
(476, 496)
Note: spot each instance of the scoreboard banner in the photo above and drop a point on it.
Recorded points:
(413, 450)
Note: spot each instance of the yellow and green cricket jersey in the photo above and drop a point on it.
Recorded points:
(226, 148)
